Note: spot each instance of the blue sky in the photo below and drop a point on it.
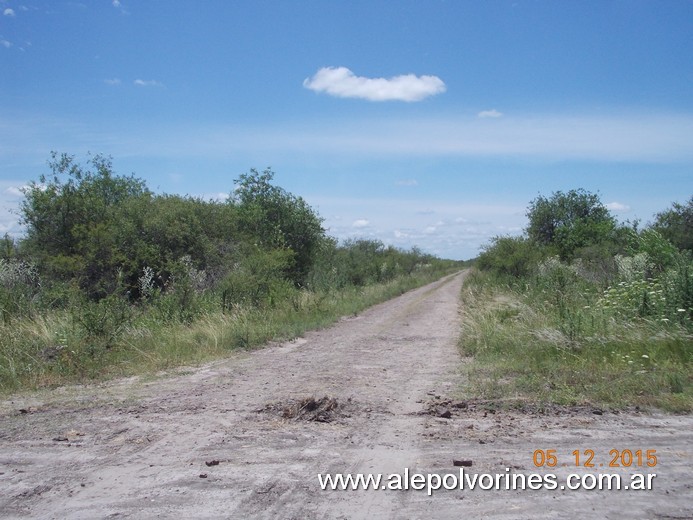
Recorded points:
(429, 123)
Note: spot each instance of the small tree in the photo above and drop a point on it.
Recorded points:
(72, 221)
(569, 221)
(676, 224)
(278, 219)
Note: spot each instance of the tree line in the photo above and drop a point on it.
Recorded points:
(92, 235)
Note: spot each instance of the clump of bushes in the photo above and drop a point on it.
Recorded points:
(111, 276)
(601, 312)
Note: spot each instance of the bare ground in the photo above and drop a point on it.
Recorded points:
(246, 437)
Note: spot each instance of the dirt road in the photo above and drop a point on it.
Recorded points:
(248, 436)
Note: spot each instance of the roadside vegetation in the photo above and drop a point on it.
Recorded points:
(112, 279)
(580, 310)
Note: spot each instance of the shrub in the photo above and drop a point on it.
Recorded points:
(676, 225)
(258, 279)
(19, 288)
(516, 257)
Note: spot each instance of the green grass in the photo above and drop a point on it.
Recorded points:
(62, 347)
(528, 346)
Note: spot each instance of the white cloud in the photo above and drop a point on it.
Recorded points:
(5, 44)
(119, 5)
(15, 191)
(407, 182)
(10, 198)
(616, 138)
(360, 223)
(649, 137)
(112, 81)
(147, 83)
(493, 114)
(341, 82)
(8, 12)
(618, 207)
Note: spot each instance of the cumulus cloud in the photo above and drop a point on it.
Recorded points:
(8, 12)
(342, 82)
(147, 83)
(617, 206)
(5, 44)
(407, 182)
(360, 223)
(492, 114)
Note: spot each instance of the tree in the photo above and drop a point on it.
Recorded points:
(278, 219)
(569, 221)
(72, 221)
(676, 225)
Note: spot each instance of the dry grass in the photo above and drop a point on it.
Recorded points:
(55, 348)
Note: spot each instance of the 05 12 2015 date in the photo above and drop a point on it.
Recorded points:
(587, 459)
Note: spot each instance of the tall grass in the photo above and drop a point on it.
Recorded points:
(95, 341)
(556, 339)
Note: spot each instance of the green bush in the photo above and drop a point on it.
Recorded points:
(676, 225)
(279, 220)
(515, 257)
(258, 279)
(101, 323)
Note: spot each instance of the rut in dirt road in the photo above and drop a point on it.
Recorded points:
(246, 437)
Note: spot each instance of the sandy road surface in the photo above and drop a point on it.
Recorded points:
(139, 449)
